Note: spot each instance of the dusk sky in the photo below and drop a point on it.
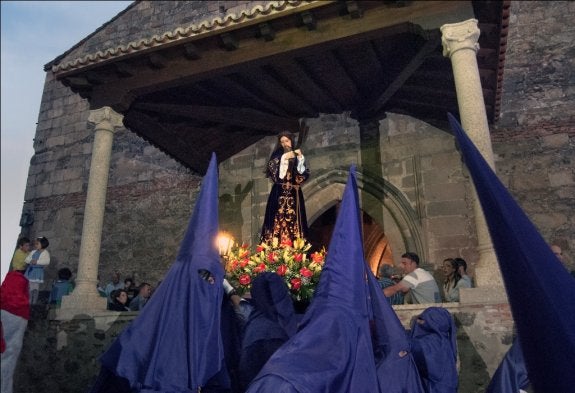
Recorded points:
(32, 34)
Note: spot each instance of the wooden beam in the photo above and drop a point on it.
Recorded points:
(242, 117)
(229, 41)
(261, 80)
(266, 31)
(230, 85)
(157, 61)
(308, 20)
(191, 51)
(165, 139)
(123, 70)
(300, 81)
(379, 103)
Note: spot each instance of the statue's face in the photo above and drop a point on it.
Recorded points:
(286, 143)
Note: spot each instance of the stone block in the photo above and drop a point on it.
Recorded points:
(447, 226)
(562, 178)
(530, 181)
(447, 208)
(444, 192)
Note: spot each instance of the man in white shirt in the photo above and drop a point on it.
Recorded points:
(417, 281)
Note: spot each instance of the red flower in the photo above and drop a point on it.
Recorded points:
(260, 248)
(286, 242)
(244, 262)
(298, 257)
(272, 257)
(233, 264)
(282, 269)
(317, 257)
(244, 254)
(304, 271)
(245, 279)
(260, 268)
(295, 284)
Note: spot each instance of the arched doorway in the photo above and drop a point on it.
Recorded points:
(377, 248)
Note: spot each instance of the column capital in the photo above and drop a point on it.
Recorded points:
(106, 118)
(462, 35)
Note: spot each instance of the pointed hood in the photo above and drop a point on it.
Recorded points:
(332, 352)
(541, 292)
(396, 368)
(175, 343)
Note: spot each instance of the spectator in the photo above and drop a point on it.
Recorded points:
(19, 258)
(559, 254)
(101, 290)
(419, 283)
(130, 288)
(386, 280)
(15, 305)
(434, 347)
(462, 269)
(119, 300)
(452, 278)
(112, 286)
(36, 261)
(62, 287)
(137, 303)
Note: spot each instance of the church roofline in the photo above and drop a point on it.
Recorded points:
(194, 31)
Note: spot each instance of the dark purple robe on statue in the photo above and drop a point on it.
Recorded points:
(285, 216)
(541, 291)
(175, 343)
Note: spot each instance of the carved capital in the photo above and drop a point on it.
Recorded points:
(106, 118)
(462, 35)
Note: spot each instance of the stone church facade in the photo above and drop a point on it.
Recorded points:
(418, 194)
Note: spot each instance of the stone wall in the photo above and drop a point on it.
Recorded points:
(534, 140)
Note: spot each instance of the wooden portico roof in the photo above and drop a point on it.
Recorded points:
(224, 84)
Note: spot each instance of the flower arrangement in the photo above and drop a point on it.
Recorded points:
(288, 259)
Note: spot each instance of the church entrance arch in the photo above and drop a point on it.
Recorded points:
(386, 236)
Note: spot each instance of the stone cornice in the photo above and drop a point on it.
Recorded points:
(218, 24)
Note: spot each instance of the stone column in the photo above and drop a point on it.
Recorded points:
(370, 156)
(460, 45)
(85, 298)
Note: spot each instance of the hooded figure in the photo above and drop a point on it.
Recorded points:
(434, 345)
(271, 323)
(332, 351)
(511, 375)
(396, 369)
(15, 304)
(175, 343)
(534, 278)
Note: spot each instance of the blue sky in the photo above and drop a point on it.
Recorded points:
(32, 34)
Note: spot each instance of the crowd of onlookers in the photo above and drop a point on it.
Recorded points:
(126, 295)
(417, 285)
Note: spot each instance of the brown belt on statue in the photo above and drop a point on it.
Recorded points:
(289, 186)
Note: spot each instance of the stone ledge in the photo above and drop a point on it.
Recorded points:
(483, 295)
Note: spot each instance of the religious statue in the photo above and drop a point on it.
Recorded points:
(285, 217)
